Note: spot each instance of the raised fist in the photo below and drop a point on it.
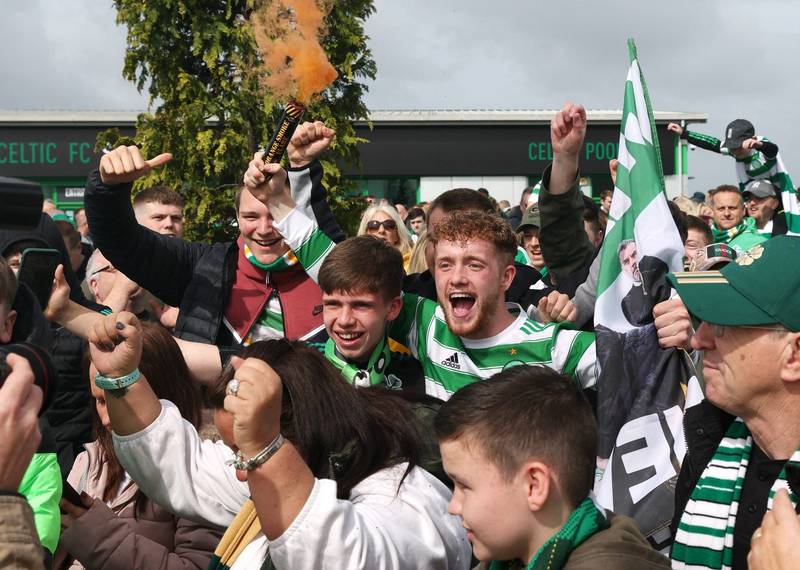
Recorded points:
(568, 129)
(675, 128)
(308, 142)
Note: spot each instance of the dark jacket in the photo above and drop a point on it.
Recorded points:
(566, 248)
(69, 414)
(779, 225)
(619, 547)
(704, 426)
(514, 217)
(48, 235)
(195, 277)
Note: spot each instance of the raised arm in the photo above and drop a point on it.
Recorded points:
(387, 525)
(699, 140)
(161, 452)
(565, 246)
(308, 143)
(269, 184)
(161, 264)
(203, 360)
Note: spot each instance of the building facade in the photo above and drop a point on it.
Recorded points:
(411, 156)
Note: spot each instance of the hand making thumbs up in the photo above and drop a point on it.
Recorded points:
(125, 164)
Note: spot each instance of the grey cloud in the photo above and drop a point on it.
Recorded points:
(728, 58)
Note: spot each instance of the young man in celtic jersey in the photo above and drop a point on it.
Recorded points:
(520, 449)
(472, 333)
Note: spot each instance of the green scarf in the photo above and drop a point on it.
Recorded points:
(725, 236)
(705, 532)
(283, 263)
(375, 372)
(584, 522)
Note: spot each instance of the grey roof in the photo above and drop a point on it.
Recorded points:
(396, 117)
(515, 116)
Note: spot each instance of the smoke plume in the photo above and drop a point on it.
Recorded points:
(288, 34)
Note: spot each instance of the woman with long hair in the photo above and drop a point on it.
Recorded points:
(118, 526)
(326, 475)
(417, 262)
(383, 222)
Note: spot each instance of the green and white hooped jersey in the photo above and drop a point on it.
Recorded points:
(451, 362)
(756, 166)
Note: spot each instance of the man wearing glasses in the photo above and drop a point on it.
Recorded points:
(742, 441)
(112, 288)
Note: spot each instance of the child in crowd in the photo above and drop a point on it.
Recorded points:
(521, 450)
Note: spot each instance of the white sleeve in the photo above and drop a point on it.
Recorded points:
(310, 245)
(300, 185)
(377, 528)
(177, 469)
(574, 353)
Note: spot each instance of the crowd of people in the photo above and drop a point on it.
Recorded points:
(420, 395)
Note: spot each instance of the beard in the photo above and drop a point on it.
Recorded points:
(479, 318)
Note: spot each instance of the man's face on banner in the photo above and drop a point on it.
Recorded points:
(629, 260)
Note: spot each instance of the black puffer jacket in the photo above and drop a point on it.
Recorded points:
(196, 277)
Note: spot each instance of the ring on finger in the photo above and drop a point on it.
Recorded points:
(757, 533)
(233, 387)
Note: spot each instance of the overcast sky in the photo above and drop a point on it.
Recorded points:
(726, 58)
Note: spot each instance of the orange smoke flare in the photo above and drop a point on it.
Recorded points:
(288, 34)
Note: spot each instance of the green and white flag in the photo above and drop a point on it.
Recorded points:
(639, 210)
(641, 386)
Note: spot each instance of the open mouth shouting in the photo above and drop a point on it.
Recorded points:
(461, 304)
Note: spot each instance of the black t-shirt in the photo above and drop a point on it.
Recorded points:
(758, 480)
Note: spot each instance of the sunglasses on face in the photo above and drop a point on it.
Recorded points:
(374, 225)
(110, 268)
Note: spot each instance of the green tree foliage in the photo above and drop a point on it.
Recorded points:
(198, 61)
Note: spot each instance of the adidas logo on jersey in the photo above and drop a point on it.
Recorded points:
(452, 361)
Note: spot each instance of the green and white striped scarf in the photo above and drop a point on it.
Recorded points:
(705, 531)
(724, 236)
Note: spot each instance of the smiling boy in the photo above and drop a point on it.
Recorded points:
(358, 301)
(520, 449)
(471, 333)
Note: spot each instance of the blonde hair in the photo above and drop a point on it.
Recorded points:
(687, 205)
(418, 263)
(405, 243)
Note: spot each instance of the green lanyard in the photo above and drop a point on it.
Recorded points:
(373, 375)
